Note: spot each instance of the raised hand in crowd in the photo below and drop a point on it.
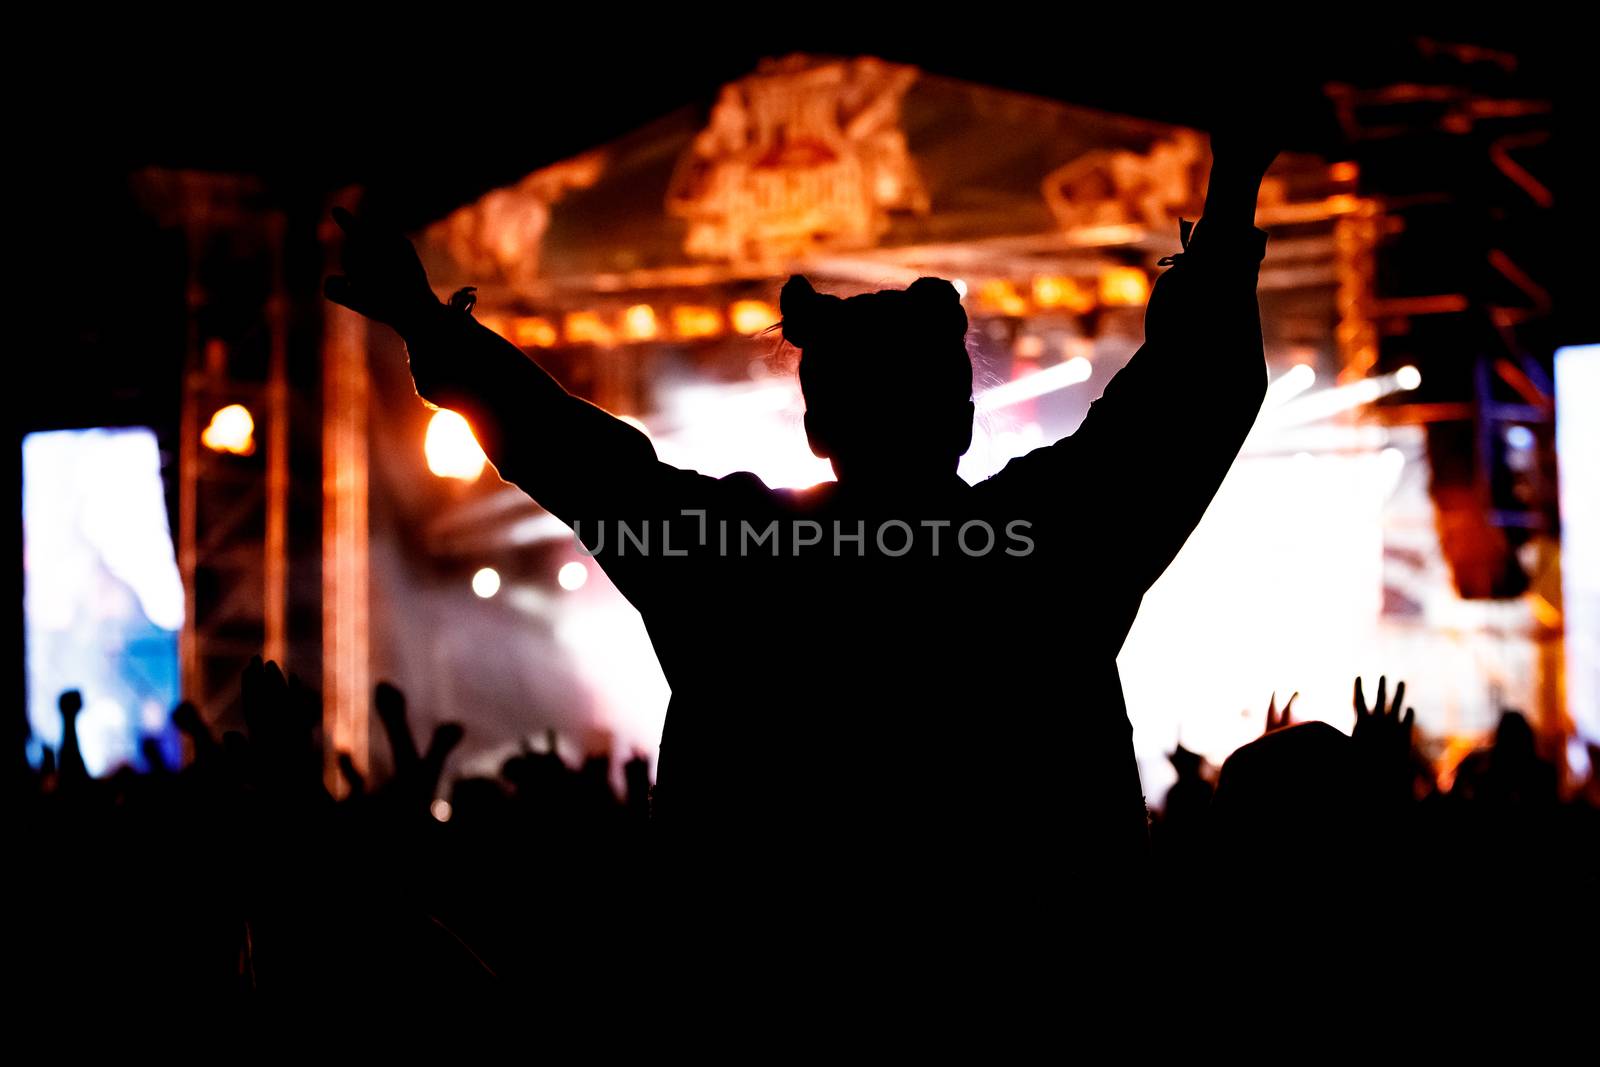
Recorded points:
(1383, 738)
(416, 773)
(1277, 720)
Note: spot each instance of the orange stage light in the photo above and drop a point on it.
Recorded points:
(232, 429)
(1124, 286)
(750, 317)
(690, 322)
(639, 323)
(587, 328)
(532, 331)
(1054, 291)
(1002, 296)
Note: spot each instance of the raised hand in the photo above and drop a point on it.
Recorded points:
(383, 277)
(416, 773)
(1240, 156)
(206, 751)
(1384, 718)
(1382, 740)
(1278, 720)
(1236, 148)
(281, 718)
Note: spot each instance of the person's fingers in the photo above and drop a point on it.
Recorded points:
(1379, 700)
(402, 743)
(1410, 718)
(446, 736)
(1284, 717)
(1399, 699)
(1360, 700)
(1272, 710)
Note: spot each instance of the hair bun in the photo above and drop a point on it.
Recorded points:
(802, 308)
(941, 301)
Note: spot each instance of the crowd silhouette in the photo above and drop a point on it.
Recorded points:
(239, 873)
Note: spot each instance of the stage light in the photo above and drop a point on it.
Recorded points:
(440, 810)
(1326, 403)
(960, 287)
(572, 576)
(1124, 286)
(1294, 381)
(587, 328)
(639, 323)
(750, 317)
(691, 323)
(1057, 291)
(531, 331)
(1001, 296)
(232, 429)
(486, 583)
(635, 423)
(451, 449)
(1072, 372)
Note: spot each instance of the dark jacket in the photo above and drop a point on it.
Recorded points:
(849, 697)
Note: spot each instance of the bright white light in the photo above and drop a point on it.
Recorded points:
(719, 429)
(572, 575)
(1326, 403)
(960, 287)
(1029, 387)
(1392, 462)
(1282, 533)
(486, 583)
(635, 423)
(451, 449)
(1578, 458)
(440, 809)
(104, 599)
(1290, 384)
(231, 430)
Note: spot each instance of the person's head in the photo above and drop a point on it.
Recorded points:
(886, 377)
(1513, 737)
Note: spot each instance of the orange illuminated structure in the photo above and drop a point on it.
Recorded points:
(233, 470)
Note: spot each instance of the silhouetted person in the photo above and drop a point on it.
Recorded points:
(1182, 828)
(1290, 801)
(828, 682)
(73, 772)
(1510, 773)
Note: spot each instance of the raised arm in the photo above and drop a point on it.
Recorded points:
(1155, 447)
(563, 451)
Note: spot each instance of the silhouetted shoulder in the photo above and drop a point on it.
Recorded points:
(1039, 477)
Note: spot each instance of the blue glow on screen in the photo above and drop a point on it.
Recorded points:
(104, 601)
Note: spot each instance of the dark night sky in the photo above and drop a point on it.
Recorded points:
(432, 113)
